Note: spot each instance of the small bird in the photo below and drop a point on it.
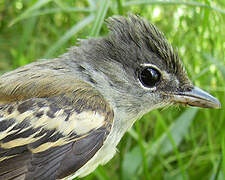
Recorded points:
(62, 117)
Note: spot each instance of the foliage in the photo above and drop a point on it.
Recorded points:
(184, 143)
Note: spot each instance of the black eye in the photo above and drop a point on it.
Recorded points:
(149, 76)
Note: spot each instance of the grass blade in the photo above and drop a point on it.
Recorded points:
(26, 13)
(219, 64)
(92, 3)
(129, 168)
(77, 27)
(100, 16)
(119, 6)
(186, 3)
(101, 174)
(177, 130)
(57, 10)
(164, 145)
(223, 156)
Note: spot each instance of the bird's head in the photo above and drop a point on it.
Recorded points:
(137, 68)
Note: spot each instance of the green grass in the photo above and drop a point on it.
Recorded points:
(168, 144)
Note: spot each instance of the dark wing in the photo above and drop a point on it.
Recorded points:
(52, 137)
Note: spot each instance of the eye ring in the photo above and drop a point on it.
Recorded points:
(149, 76)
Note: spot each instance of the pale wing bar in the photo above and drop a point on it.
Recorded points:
(50, 137)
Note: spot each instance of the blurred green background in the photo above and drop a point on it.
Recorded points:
(168, 144)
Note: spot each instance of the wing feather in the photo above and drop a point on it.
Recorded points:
(49, 137)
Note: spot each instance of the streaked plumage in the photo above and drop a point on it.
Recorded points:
(67, 115)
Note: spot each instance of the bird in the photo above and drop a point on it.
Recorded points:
(63, 117)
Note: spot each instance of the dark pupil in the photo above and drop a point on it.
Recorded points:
(149, 77)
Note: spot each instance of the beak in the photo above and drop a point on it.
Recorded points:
(197, 97)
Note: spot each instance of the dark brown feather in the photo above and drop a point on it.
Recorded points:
(42, 153)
